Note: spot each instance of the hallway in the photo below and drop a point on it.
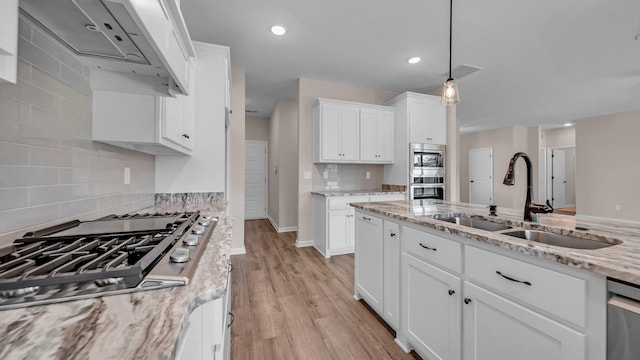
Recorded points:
(292, 303)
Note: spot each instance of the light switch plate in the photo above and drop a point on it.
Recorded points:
(367, 175)
(127, 176)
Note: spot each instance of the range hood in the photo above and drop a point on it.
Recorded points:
(138, 37)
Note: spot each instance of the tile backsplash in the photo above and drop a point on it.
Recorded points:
(347, 177)
(50, 169)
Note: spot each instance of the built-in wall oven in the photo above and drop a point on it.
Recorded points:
(427, 175)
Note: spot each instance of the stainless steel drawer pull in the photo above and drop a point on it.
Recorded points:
(512, 279)
(428, 248)
(366, 218)
(230, 321)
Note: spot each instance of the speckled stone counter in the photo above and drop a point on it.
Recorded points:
(620, 261)
(329, 193)
(140, 325)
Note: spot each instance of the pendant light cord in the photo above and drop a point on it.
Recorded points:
(450, 35)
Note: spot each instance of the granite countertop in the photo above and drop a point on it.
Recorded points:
(620, 261)
(331, 193)
(140, 325)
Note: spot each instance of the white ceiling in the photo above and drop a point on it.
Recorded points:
(544, 61)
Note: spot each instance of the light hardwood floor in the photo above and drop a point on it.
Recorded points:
(292, 303)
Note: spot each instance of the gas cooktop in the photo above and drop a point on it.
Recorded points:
(112, 255)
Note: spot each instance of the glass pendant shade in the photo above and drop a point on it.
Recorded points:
(450, 93)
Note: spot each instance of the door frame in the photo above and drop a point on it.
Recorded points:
(469, 171)
(266, 176)
(549, 171)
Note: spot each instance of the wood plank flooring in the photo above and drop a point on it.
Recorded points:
(292, 303)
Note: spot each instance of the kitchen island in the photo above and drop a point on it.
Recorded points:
(455, 291)
(139, 325)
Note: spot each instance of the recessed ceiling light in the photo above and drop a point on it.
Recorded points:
(278, 30)
(568, 124)
(414, 60)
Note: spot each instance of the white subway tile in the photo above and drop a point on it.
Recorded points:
(20, 218)
(24, 29)
(50, 157)
(79, 207)
(11, 109)
(47, 82)
(13, 154)
(12, 176)
(24, 71)
(75, 79)
(60, 124)
(13, 198)
(55, 49)
(29, 53)
(30, 94)
(42, 195)
(35, 136)
(73, 110)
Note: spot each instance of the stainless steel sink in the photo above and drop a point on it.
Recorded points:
(559, 240)
(467, 220)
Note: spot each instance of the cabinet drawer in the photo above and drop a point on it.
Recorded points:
(438, 250)
(388, 197)
(342, 203)
(561, 295)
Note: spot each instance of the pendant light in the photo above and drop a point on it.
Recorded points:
(450, 93)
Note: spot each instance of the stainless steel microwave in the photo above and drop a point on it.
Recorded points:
(427, 156)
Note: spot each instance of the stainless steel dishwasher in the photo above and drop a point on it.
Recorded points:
(623, 321)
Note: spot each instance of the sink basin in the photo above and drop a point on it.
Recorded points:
(559, 240)
(467, 220)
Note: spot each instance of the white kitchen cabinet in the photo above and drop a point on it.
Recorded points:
(334, 221)
(349, 132)
(207, 330)
(369, 261)
(431, 310)
(8, 40)
(499, 329)
(156, 125)
(419, 118)
(391, 275)
(338, 127)
(376, 135)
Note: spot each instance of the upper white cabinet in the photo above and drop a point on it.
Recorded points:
(347, 132)
(8, 40)
(376, 135)
(156, 125)
(419, 118)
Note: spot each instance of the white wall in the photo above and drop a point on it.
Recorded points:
(309, 91)
(236, 157)
(50, 169)
(257, 128)
(205, 170)
(607, 171)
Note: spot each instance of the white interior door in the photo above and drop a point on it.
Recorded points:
(481, 176)
(255, 177)
(558, 177)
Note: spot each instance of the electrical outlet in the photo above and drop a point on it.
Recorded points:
(307, 175)
(617, 207)
(367, 174)
(127, 176)
(325, 174)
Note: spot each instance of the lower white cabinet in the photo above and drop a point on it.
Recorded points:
(377, 266)
(431, 309)
(8, 41)
(207, 333)
(334, 221)
(499, 329)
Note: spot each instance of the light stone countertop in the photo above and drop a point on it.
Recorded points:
(620, 261)
(332, 193)
(139, 325)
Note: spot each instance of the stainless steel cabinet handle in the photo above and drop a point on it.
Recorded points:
(467, 301)
(451, 292)
(392, 234)
(366, 218)
(231, 321)
(186, 136)
(512, 279)
(428, 248)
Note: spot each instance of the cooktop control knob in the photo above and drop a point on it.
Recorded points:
(191, 240)
(198, 230)
(204, 221)
(180, 256)
(207, 216)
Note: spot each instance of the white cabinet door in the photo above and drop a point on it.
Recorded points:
(172, 113)
(339, 225)
(428, 120)
(349, 133)
(385, 136)
(190, 346)
(498, 329)
(368, 135)
(391, 267)
(330, 132)
(8, 40)
(431, 309)
(369, 260)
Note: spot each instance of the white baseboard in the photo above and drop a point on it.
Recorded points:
(304, 243)
(238, 251)
(279, 229)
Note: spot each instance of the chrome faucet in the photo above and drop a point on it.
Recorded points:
(530, 209)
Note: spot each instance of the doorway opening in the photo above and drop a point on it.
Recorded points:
(481, 176)
(255, 175)
(561, 179)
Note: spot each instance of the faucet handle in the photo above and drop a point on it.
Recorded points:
(549, 206)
